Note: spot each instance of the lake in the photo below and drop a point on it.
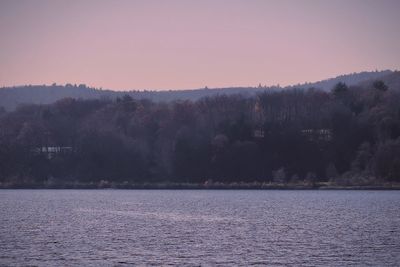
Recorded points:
(203, 227)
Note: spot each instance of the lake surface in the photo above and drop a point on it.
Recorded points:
(227, 228)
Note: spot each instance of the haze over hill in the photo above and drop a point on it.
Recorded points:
(11, 97)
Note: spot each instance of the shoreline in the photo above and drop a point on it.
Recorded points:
(216, 186)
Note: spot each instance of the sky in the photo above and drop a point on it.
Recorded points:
(183, 44)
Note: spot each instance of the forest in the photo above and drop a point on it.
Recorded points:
(347, 136)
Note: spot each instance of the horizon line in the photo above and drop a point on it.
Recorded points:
(198, 88)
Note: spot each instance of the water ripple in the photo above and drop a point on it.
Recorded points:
(199, 228)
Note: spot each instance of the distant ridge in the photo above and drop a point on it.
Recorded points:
(349, 79)
(11, 97)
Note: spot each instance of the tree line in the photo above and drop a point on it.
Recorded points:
(348, 136)
(11, 97)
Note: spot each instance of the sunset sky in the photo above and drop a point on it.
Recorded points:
(191, 44)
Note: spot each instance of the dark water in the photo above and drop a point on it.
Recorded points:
(129, 227)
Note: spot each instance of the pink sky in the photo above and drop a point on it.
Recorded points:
(191, 44)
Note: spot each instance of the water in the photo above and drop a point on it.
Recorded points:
(160, 227)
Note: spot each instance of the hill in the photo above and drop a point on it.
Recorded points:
(349, 79)
(11, 97)
(306, 138)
